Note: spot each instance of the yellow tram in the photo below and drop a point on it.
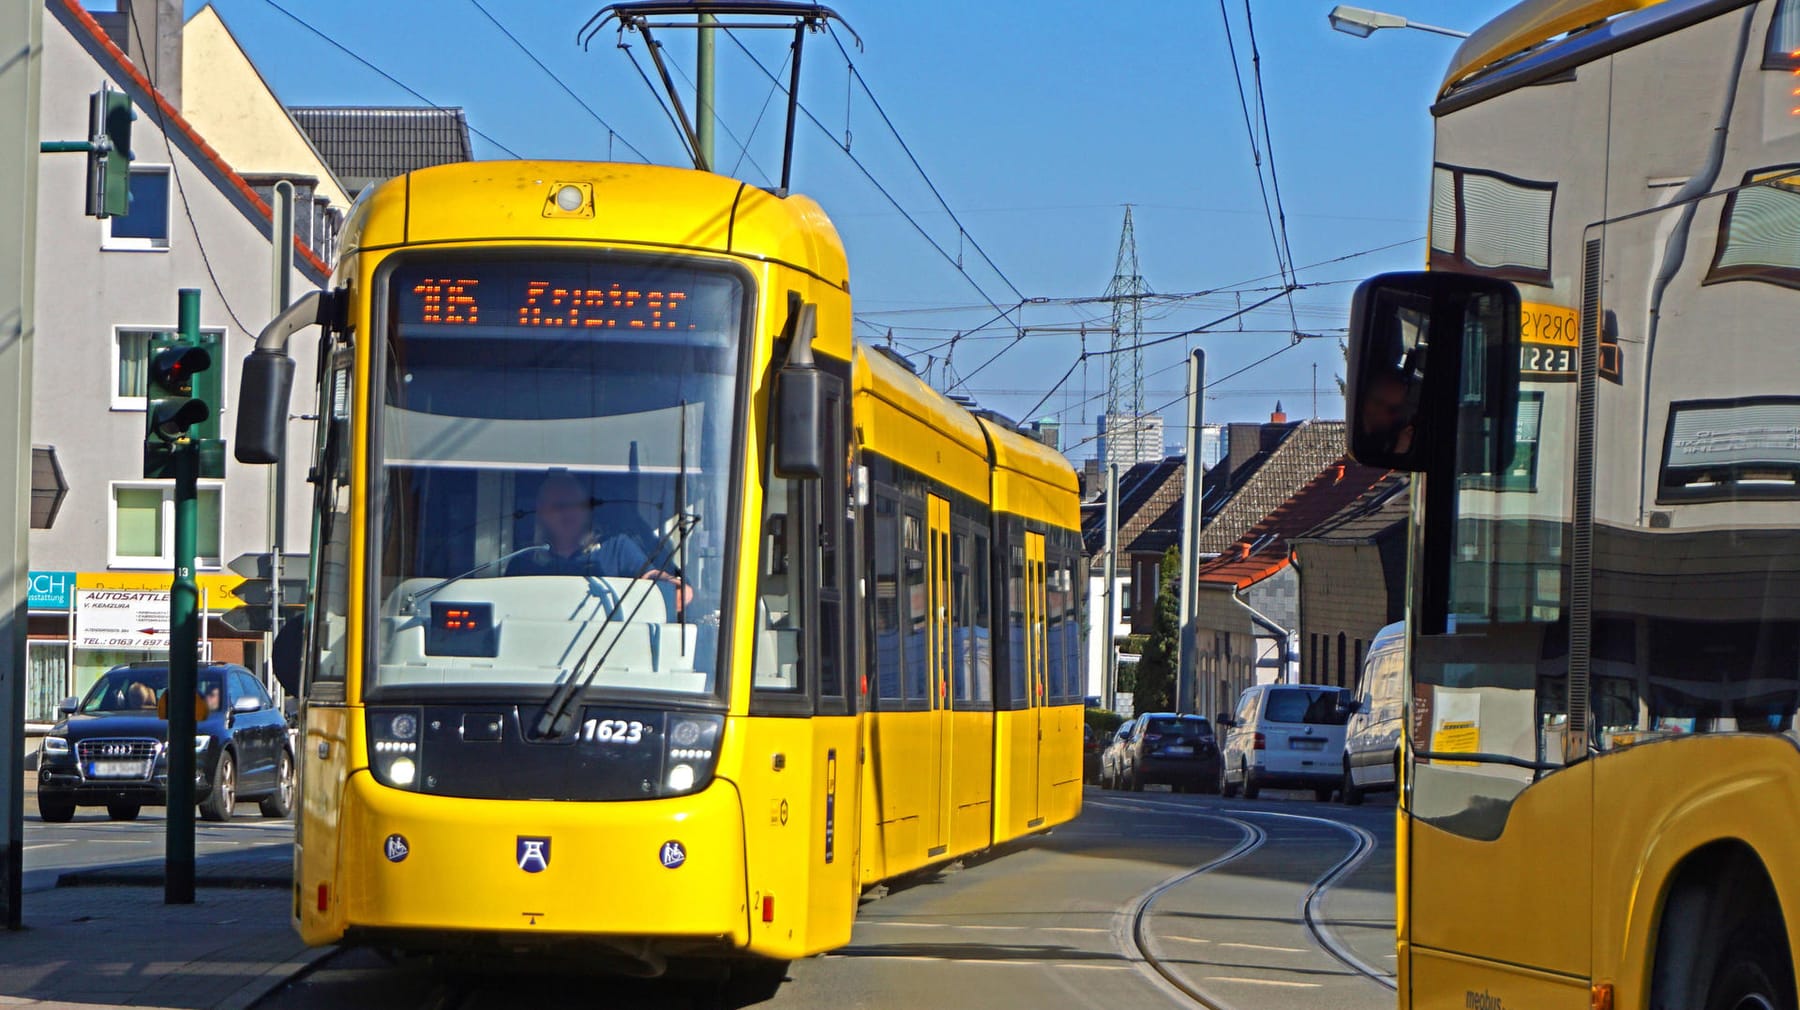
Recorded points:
(651, 615)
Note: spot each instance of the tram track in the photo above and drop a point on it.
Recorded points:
(1134, 941)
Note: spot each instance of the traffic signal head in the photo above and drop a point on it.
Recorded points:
(171, 410)
(109, 164)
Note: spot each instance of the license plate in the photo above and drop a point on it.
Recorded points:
(1303, 743)
(1179, 752)
(116, 770)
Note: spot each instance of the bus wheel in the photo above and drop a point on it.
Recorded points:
(751, 981)
(1752, 975)
(1722, 943)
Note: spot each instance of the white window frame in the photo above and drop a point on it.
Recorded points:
(167, 558)
(121, 244)
(137, 403)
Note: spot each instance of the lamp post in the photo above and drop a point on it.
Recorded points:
(1364, 23)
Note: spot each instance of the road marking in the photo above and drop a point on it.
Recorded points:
(47, 845)
(1164, 938)
(1263, 946)
(1015, 963)
(1262, 981)
(979, 927)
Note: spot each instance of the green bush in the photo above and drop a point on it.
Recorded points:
(1104, 721)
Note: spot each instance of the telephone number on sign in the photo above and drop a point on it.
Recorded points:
(121, 642)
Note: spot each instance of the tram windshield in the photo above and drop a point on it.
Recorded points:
(554, 463)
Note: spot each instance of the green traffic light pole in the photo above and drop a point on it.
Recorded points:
(184, 647)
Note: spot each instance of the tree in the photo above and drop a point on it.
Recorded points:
(1156, 668)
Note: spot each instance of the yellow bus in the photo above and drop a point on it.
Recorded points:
(652, 617)
(1598, 385)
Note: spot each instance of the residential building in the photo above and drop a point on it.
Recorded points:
(1352, 581)
(105, 289)
(365, 145)
(1247, 604)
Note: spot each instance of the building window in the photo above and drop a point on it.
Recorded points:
(1759, 230)
(1521, 473)
(131, 350)
(143, 525)
(1487, 223)
(1781, 50)
(147, 226)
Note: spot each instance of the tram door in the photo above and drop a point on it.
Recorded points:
(938, 636)
(1036, 671)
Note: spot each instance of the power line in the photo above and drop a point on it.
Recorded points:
(610, 131)
(390, 78)
(1222, 379)
(870, 176)
(1262, 112)
(964, 232)
(1255, 149)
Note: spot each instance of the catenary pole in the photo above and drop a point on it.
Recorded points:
(1186, 684)
(21, 25)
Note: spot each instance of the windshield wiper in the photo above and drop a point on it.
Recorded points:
(555, 719)
(409, 606)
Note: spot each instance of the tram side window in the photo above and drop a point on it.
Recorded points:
(1053, 630)
(913, 557)
(962, 616)
(778, 624)
(1018, 693)
(886, 563)
(982, 649)
(1072, 682)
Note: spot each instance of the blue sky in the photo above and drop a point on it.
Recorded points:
(1037, 122)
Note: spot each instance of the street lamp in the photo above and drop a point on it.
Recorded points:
(1363, 23)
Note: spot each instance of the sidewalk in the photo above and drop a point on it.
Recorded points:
(105, 938)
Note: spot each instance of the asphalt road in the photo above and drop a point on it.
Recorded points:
(1147, 900)
(92, 840)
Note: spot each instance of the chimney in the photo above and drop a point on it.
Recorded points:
(152, 30)
(1278, 417)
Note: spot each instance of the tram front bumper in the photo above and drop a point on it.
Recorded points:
(659, 870)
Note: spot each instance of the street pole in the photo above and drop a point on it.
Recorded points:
(1109, 659)
(704, 88)
(184, 645)
(20, 90)
(1187, 695)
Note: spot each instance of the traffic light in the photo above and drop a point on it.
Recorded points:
(109, 154)
(173, 413)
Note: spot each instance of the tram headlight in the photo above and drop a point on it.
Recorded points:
(692, 751)
(394, 746)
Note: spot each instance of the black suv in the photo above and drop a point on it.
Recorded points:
(1177, 749)
(109, 747)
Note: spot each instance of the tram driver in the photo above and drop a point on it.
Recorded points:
(565, 523)
(1388, 411)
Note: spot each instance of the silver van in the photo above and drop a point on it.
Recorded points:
(1373, 739)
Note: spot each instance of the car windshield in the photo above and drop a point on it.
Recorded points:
(1185, 726)
(554, 451)
(138, 690)
(1311, 707)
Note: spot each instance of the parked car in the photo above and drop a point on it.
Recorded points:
(1373, 737)
(1285, 736)
(110, 747)
(1112, 757)
(1176, 750)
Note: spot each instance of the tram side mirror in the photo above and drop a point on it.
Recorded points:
(799, 406)
(1434, 372)
(268, 380)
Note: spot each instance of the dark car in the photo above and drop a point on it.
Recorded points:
(1091, 742)
(1177, 750)
(110, 747)
(1112, 756)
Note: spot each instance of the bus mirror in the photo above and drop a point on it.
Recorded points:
(799, 401)
(1434, 372)
(262, 406)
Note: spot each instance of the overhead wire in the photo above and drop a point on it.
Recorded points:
(1262, 112)
(870, 177)
(611, 132)
(390, 78)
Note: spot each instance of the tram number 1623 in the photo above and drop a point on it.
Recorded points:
(1545, 359)
(612, 731)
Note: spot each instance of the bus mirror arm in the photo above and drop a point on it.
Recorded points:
(799, 401)
(268, 378)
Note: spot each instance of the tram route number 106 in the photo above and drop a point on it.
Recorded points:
(612, 731)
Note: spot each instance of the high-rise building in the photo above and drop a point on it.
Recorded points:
(1128, 441)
